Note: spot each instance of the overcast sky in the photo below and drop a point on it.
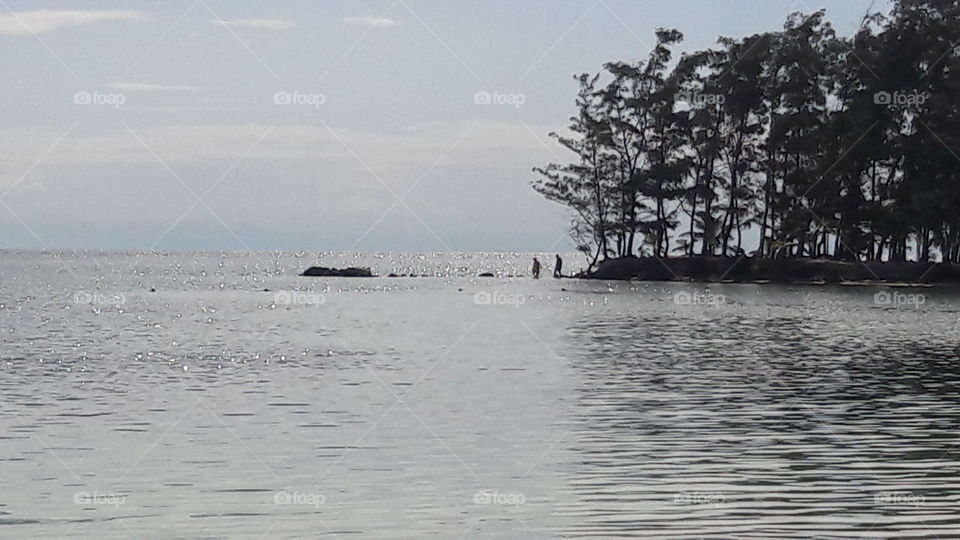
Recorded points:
(207, 124)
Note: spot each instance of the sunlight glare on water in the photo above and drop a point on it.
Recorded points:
(241, 400)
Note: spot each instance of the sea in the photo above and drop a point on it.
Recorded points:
(222, 395)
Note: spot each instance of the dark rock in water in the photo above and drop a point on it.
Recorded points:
(322, 271)
(391, 274)
(486, 274)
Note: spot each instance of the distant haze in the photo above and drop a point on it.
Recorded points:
(375, 126)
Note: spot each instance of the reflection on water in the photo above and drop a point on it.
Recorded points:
(762, 428)
(403, 408)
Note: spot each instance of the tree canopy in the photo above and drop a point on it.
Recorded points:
(813, 143)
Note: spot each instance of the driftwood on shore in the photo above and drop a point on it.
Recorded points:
(786, 270)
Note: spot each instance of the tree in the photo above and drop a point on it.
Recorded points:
(818, 145)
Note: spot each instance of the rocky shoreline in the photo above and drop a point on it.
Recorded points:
(787, 270)
(735, 270)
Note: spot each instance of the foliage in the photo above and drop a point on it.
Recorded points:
(817, 145)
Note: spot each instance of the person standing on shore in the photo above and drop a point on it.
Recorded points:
(536, 268)
(558, 267)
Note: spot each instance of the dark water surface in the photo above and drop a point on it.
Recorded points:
(458, 407)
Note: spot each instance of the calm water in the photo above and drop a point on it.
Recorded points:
(458, 407)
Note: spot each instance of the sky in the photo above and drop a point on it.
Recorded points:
(397, 125)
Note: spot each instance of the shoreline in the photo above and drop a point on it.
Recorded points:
(723, 270)
(762, 271)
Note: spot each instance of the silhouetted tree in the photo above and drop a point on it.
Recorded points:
(819, 145)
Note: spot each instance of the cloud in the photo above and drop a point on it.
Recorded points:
(372, 22)
(260, 24)
(401, 156)
(20, 23)
(290, 183)
(133, 88)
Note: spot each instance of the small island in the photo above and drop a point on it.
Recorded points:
(798, 155)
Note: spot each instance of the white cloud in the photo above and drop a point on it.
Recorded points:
(133, 88)
(261, 24)
(372, 22)
(20, 23)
